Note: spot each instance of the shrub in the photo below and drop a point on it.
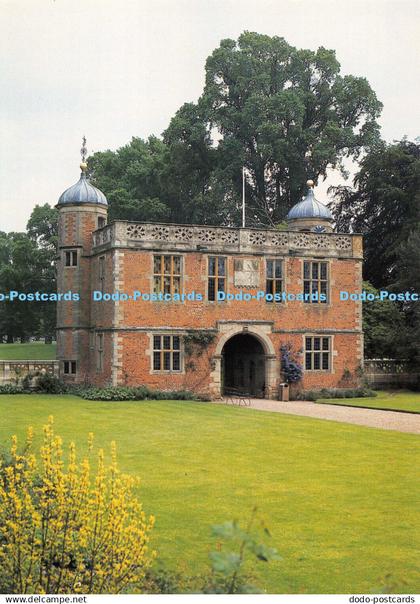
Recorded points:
(292, 370)
(307, 395)
(415, 385)
(114, 393)
(228, 574)
(133, 393)
(50, 384)
(314, 395)
(161, 580)
(174, 395)
(67, 529)
(234, 552)
(11, 389)
(77, 389)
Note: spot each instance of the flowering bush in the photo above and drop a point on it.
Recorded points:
(291, 368)
(65, 528)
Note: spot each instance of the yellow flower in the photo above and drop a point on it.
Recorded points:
(66, 529)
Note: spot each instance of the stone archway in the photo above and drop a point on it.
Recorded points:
(260, 333)
(243, 366)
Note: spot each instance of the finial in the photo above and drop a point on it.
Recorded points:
(310, 183)
(83, 153)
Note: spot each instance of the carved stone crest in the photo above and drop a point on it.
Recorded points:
(247, 273)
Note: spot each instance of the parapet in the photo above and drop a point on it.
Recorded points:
(225, 240)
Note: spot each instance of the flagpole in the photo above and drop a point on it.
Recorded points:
(243, 196)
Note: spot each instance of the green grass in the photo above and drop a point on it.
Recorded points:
(31, 351)
(398, 400)
(341, 501)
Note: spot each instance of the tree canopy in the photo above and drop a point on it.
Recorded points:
(42, 226)
(408, 278)
(384, 205)
(383, 327)
(285, 114)
(27, 265)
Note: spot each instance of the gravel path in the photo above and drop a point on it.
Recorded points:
(374, 418)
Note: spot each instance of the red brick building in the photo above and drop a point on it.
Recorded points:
(207, 345)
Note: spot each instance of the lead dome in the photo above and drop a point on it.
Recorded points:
(310, 214)
(82, 192)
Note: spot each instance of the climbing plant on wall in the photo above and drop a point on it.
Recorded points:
(291, 368)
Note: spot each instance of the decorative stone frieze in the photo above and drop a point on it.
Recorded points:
(11, 371)
(224, 239)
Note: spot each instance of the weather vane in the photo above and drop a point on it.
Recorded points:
(83, 150)
(83, 153)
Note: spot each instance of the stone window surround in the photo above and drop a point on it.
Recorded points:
(101, 222)
(73, 254)
(69, 363)
(326, 304)
(92, 336)
(99, 340)
(162, 254)
(101, 272)
(208, 276)
(283, 278)
(332, 352)
(150, 350)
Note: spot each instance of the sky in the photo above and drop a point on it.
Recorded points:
(114, 69)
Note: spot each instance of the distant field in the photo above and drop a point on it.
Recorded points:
(31, 351)
(398, 400)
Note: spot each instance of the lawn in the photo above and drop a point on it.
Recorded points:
(398, 400)
(31, 351)
(341, 501)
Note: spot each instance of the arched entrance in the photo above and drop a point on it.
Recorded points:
(243, 365)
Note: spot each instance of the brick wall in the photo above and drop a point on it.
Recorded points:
(289, 321)
(128, 327)
(74, 340)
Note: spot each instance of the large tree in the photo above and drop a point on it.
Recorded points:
(162, 181)
(23, 268)
(284, 113)
(42, 226)
(27, 265)
(384, 205)
(42, 229)
(383, 328)
(408, 279)
(190, 177)
(132, 179)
